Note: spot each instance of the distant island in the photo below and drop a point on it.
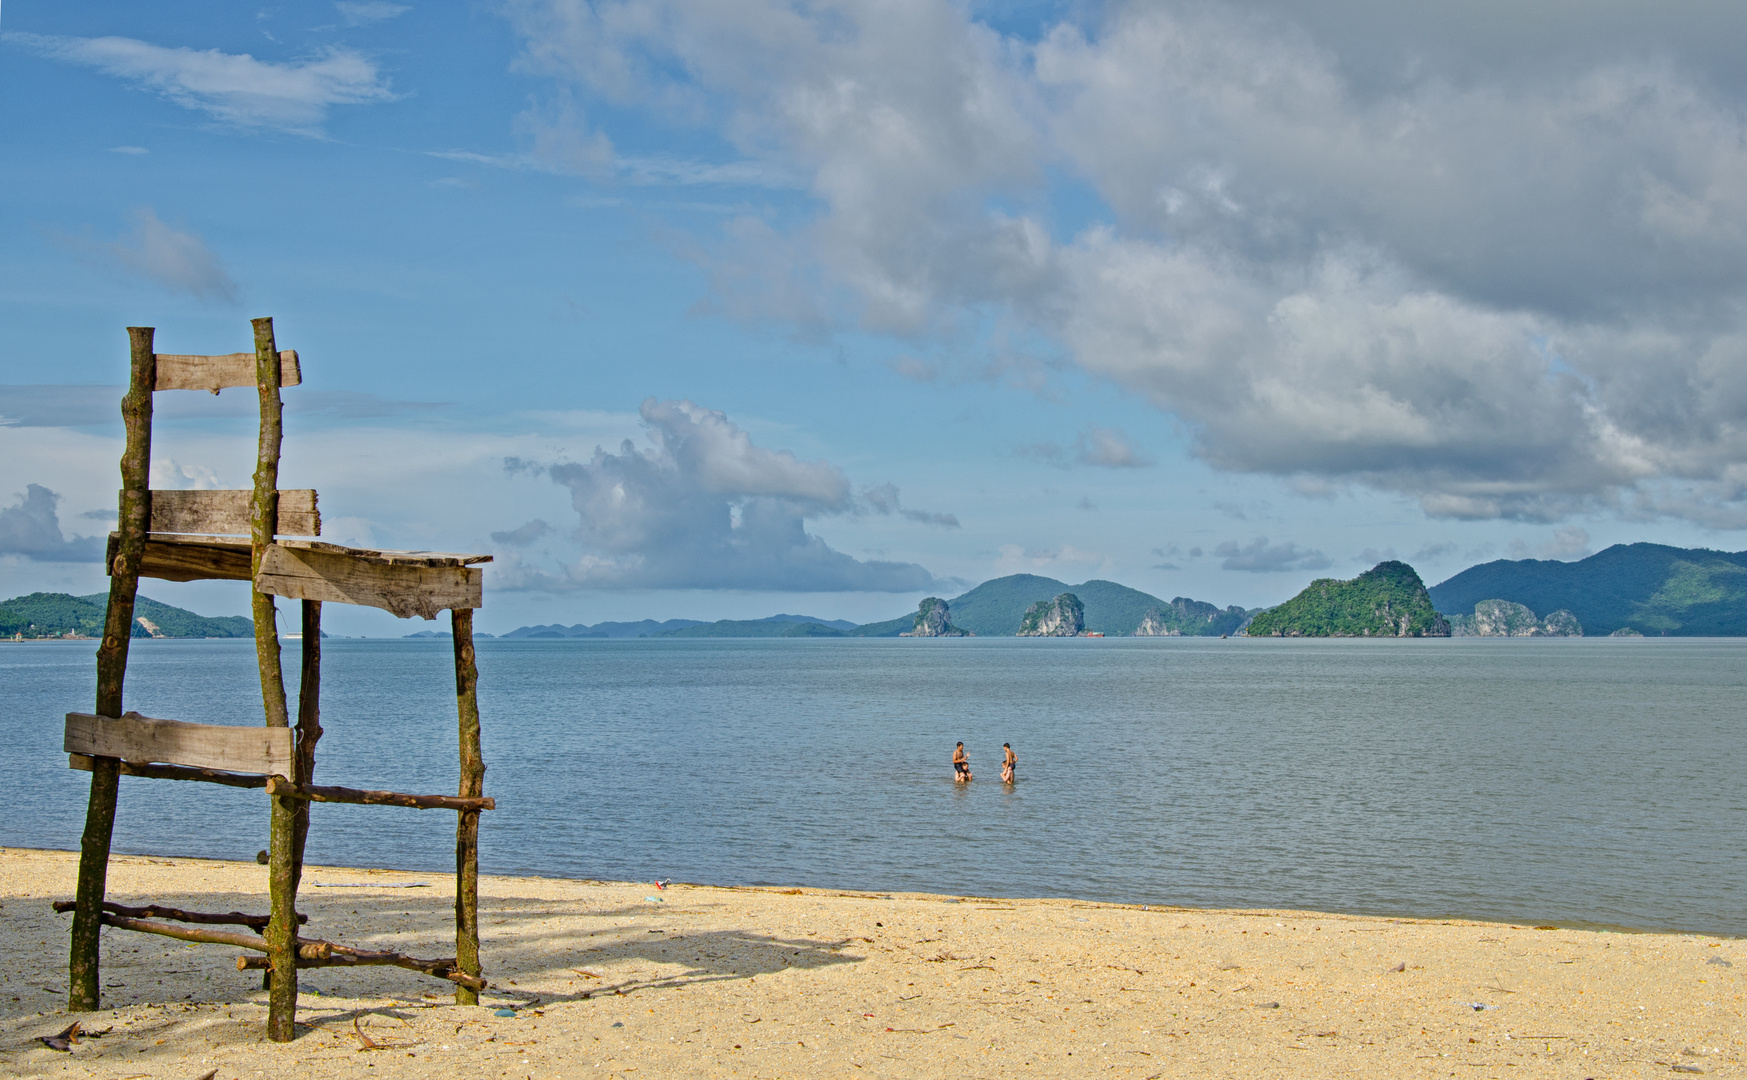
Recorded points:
(934, 619)
(63, 615)
(1388, 600)
(773, 626)
(1063, 616)
(1627, 590)
(998, 608)
(786, 626)
(993, 609)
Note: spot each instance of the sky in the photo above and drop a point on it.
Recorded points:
(724, 308)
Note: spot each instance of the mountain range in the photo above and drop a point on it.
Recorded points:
(1650, 589)
(1653, 589)
(773, 626)
(996, 608)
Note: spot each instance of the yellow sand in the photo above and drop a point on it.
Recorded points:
(621, 980)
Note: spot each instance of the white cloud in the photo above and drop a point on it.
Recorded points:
(174, 258)
(523, 535)
(1014, 559)
(1109, 448)
(232, 87)
(883, 499)
(170, 474)
(1343, 245)
(1101, 447)
(1565, 544)
(704, 508)
(365, 12)
(1435, 551)
(1260, 557)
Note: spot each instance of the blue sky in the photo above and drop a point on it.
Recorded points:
(889, 298)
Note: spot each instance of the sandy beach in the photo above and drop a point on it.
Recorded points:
(611, 979)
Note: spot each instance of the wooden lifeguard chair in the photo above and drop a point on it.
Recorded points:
(253, 536)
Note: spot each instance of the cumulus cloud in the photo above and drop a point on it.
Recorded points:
(1260, 557)
(32, 529)
(703, 507)
(1358, 243)
(168, 473)
(234, 88)
(175, 258)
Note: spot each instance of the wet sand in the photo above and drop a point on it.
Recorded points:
(623, 980)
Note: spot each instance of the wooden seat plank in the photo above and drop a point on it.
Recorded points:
(405, 584)
(136, 738)
(389, 556)
(226, 513)
(177, 371)
(191, 557)
(169, 557)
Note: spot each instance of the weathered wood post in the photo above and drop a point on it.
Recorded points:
(467, 822)
(263, 524)
(308, 731)
(134, 519)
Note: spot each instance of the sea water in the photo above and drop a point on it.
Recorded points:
(1580, 781)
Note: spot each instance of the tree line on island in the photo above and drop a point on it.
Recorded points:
(1626, 590)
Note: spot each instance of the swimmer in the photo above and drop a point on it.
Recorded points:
(1009, 759)
(961, 765)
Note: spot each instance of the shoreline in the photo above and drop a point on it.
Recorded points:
(1584, 925)
(621, 979)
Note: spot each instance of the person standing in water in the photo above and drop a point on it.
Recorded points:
(1009, 759)
(961, 765)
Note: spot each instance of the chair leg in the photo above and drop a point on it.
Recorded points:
(134, 521)
(467, 825)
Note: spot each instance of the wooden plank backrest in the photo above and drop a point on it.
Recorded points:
(132, 737)
(402, 589)
(226, 513)
(214, 373)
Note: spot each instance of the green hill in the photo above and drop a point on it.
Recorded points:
(180, 622)
(1650, 588)
(996, 608)
(1388, 600)
(903, 624)
(52, 615)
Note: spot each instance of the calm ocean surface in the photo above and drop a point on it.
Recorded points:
(1574, 781)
